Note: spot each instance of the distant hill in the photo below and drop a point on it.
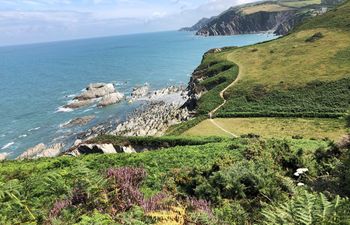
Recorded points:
(279, 17)
(201, 23)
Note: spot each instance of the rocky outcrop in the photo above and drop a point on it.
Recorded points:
(139, 92)
(110, 99)
(52, 151)
(152, 120)
(86, 149)
(168, 94)
(41, 150)
(96, 148)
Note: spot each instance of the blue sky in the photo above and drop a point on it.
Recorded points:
(27, 21)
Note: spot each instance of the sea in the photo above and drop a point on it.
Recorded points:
(36, 80)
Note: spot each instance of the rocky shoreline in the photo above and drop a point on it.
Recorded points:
(160, 110)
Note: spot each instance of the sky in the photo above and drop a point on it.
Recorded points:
(31, 21)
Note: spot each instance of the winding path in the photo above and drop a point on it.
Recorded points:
(222, 96)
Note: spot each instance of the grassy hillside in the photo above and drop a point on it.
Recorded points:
(303, 74)
(236, 181)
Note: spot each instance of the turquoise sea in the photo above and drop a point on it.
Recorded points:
(37, 79)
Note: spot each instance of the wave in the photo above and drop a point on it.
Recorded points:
(63, 109)
(33, 129)
(88, 109)
(23, 135)
(62, 125)
(7, 145)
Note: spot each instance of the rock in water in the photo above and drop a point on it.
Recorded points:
(110, 99)
(96, 91)
(79, 121)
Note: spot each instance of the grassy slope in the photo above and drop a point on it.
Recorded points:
(290, 77)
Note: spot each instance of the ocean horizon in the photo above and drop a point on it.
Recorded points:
(38, 79)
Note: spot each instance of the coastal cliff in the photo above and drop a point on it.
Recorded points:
(236, 23)
(278, 17)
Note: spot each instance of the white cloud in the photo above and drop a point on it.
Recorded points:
(42, 20)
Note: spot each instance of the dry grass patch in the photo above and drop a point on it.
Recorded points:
(264, 7)
(272, 127)
(298, 4)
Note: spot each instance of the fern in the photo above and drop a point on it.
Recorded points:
(307, 209)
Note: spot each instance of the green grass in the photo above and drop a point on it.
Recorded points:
(273, 127)
(316, 99)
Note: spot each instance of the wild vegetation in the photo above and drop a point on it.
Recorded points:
(246, 180)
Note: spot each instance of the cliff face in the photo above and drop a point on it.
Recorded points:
(233, 22)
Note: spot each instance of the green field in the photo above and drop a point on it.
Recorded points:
(272, 127)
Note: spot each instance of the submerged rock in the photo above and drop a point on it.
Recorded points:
(78, 104)
(110, 99)
(79, 121)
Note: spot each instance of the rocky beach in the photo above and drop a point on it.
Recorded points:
(159, 110)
